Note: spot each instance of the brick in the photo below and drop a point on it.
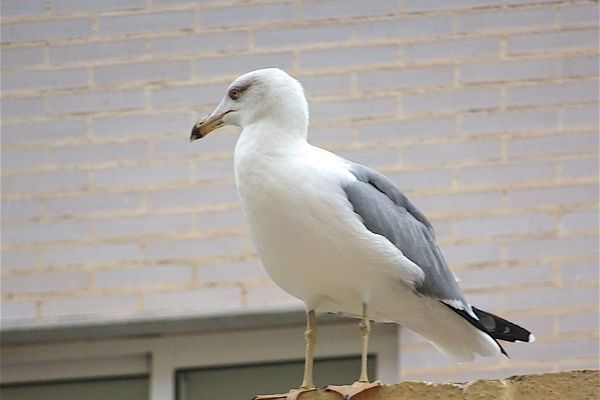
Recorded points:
(542, 325)
(329, 135)
(99, 153)
(44, 283)
(269, 295)
(458, 202)
(222, 273)
(199, 300)
(348, 57)
(90, 205)
(552, 41)
(373, 157)
(23, 32)
(577, 144)
(553, 196)
(39, 80)
(187, 97)
(22, 56)
(582, 220)
(580, 66)
(68, 6)
(575, 271)
(506, 20)
(452, 49)
(326, 84)
(231, 219)
(580, 167)
(522, 2)
(147, 225)
(141, 125)
(24, 132)
(193, 197)
(496, 277)
(95, 102)
(505, 122)
(437, 5)
(43, 182)
(143, 276)
(20, 8)
(21, 107)
(443, 229)
(509, 71)
(247, 15)
(577, 15)
(112, 306)
(464, 254)
(94, 52)
(405, 28)
(218, 142)
(455, 100)
(506, 225)
(411, 180)
(507, 173)
(552, 298)
(210, 170)
(405, 78)
(237, 65)
(142, 72)
(579, 322)
(206, 43)
(44, 232)
(451, 152)
(301, 36)
(194, 249)
(19, 159)
(425, 358)
(335, 9)
(582, 116)
(330, 110)
(551, 94)
(91, 254)
(20, 210)
(405, 130)
(18, 260)
(18, 310)
(145, 23)
(554, 247)
(560, 350)
(142, 175)
(178, 2)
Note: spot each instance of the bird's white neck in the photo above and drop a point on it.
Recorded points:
(272, 136)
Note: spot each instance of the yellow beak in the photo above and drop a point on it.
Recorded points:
(206, 125)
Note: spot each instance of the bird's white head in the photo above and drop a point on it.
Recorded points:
(268, 94)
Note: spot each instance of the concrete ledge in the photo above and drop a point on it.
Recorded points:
(573, 385)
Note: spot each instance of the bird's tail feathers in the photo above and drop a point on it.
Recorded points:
(501, 329)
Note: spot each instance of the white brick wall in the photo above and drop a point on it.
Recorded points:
(484, 111)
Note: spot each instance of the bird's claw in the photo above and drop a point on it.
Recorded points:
(349, 391)
(293, 394)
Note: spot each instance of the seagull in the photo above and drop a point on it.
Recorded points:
(340, 236)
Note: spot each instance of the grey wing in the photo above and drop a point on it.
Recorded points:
(386, 211)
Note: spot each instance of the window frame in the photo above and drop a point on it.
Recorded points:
(161, 356)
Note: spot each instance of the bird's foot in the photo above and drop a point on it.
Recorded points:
(293, 394)
(349, 391)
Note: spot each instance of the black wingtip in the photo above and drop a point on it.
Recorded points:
(477, 324)
(501, 329)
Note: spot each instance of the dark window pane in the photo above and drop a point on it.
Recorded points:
(246, 381)
(121, 388)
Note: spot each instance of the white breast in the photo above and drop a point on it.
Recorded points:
(306, 233)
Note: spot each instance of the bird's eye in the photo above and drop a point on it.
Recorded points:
(234, 94)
